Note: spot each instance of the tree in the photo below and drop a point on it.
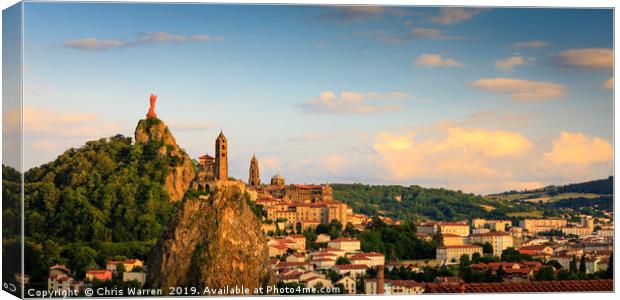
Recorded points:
(342, 261)
(500, 273)
(582, 264)
(545, 273)
(487, 248)
(464, 260)
(475, 258)
(573, 265)
(555, 264)
(511, 255)
(609, 273)
(350, 230)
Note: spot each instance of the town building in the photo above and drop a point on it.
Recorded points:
(353, 270)
(496, 225)
(536, 250)
(349, 245)
(58, 280)
(308, 193)
(101, 275)
(452, 254)
(498, 239)
(451, 239)
(254, 178)
(432, 227)
(128, 265)
(534, 226)
(348, 283)
(139, 277)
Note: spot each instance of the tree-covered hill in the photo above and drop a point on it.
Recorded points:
(415, 202)
(109, 190)
(109, 197)
(418, 203)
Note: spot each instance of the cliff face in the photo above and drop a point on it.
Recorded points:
(214, 242)
(180, 173)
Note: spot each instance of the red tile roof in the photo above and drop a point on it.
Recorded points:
(598, 285)
(491, 233)
(307, 186)
(459, 246)
(345, 240)
(351, 267)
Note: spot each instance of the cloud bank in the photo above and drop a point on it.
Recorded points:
(145, 38)
(520, 89)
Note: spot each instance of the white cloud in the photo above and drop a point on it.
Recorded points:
(589, 58)
(520, 89)
(578, 148)
(388, 37)
(452, 15)
(435, 60)
(432, 33)
(352, 103)
(144, 38)
(530, 44)
(93, 44)
(506, 65)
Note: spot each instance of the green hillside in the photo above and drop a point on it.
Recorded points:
(418, 203)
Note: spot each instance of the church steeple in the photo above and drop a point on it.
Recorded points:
(254, 180)
(221, 157)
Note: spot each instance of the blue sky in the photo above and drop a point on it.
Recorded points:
(481, 100)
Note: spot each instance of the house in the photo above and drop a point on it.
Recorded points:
(498, 239)
(323, 263)
(294, 266)
(325, 251)
(536, 250)
(296, 257)
(316, 282)
(371, 259)
(289, 276)
(128, 265)
(101, 275)
(59, 280)
(452, 254)
(277, 250)
(299, 240)
(451, 239)
(322, 238)
(393, 287)
(137, 276)
(348, 245)
(353, 270)
(348, 283)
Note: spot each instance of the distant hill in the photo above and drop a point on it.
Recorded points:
(418, 203)
(599, 187)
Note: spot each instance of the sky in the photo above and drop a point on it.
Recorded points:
(475, 99)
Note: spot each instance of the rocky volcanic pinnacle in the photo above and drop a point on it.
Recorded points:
(180, 175)
(214, 242)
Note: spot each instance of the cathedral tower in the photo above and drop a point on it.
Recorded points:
(254, 180)
(221, 158)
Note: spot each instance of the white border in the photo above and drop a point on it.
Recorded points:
(489, 3)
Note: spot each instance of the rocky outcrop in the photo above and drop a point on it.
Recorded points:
(180, 173)
(215, 241)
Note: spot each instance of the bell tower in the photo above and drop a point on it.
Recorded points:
(221, 158)
(254, 180)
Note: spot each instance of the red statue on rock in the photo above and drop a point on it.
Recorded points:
(152, 113)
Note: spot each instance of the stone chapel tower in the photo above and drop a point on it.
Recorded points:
(254, 180)
(221, 158)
